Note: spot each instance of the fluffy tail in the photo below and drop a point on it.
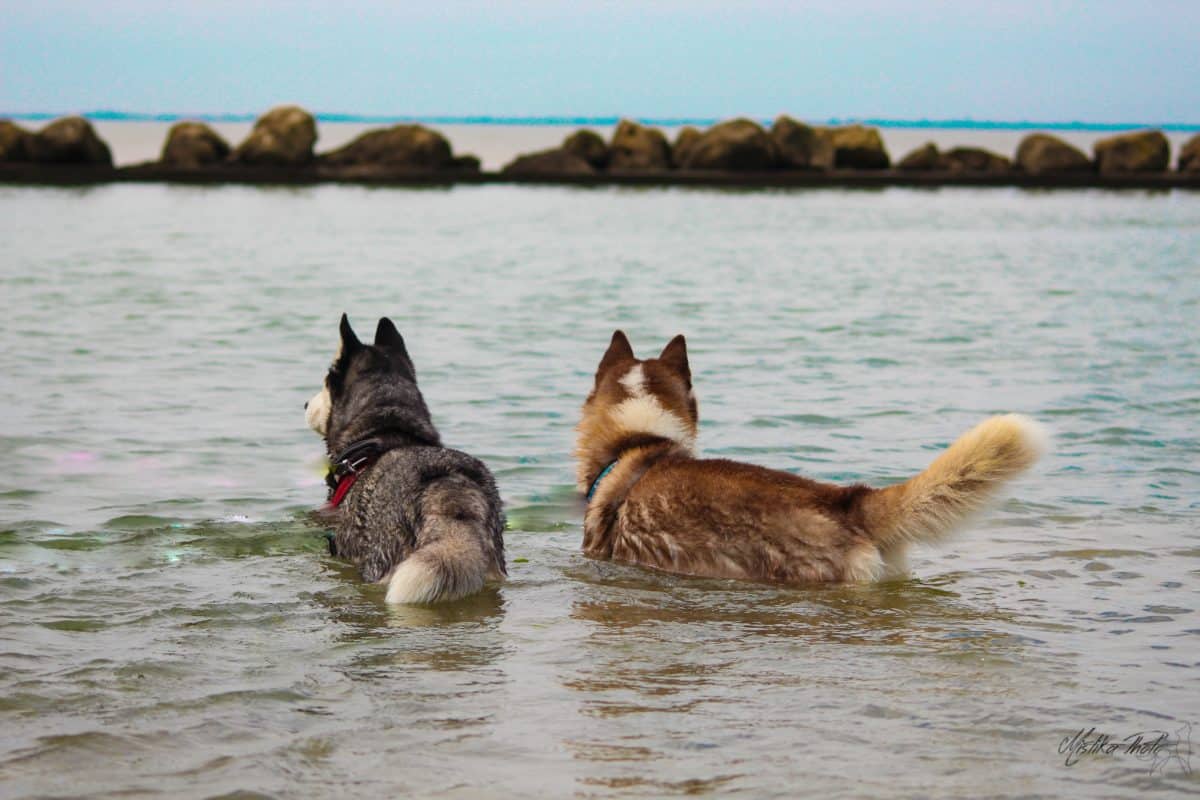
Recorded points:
(458, 552)
(444, 570)
(958, 483)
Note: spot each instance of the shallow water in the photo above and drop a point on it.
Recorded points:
(171, 624)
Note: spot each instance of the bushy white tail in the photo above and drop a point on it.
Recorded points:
(450, 567)
(958, 483)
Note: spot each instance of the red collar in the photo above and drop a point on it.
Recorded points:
(343, 488)
(349, 464)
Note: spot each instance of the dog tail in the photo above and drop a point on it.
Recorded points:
(456, 554)
(959, 483)
(448, 569)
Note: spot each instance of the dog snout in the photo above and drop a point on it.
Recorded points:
(306, 405)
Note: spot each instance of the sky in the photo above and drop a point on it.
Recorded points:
(1099, 61)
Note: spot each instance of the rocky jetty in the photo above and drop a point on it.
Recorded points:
(399, 148)
(549, 163)
(70, 140)
(800, 146)
(636, 147)
(685, 139)
(1189, 156)
(956, 161)
(973, 160)
(1140, 151)
(924, 159)
(734, 152)
(740, 152)
(582, 153)
(280, 148)
(13, 141)
(283, 137)
(1043, 154)
(589, 146)
(192, 145)
(737, 145)
(857, 147)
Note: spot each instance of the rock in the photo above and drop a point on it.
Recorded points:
(284, 136)
(1140, 151)
(465, 163)
(735, 145)
(14, 141)
(549, 163)
(923, 159)
(412, 147)
(800, 146)
(973, 160)
(857, 147)
(192, 144)
(1043, 154)
(70, 140)
(589, 146)
(685, 140)
(1189, 156)
(636, 147)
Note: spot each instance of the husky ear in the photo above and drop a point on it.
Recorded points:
(350, 341)
(674, 355)
(388, 338)
(619, 350)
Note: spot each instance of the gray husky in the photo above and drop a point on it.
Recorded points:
(425, 519)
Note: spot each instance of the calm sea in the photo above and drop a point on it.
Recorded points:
(170, 623)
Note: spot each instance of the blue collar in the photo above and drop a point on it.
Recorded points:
(600, 477)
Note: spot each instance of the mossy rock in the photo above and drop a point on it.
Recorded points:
(1140, 151)
(857, 147)
(736, 145)
(284, 136)
(193, 144)
(412, 147)
(1043, 154)
(800, 146)
(70, 140)
(636, 147)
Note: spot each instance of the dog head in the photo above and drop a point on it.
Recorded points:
(635, 399)
(369, 389)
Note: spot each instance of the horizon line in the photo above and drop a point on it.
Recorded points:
(108, 115)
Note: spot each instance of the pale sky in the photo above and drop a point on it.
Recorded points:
(1040, 60)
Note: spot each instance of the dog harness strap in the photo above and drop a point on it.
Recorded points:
(600, 477)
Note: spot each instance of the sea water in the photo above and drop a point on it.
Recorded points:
(171, 622)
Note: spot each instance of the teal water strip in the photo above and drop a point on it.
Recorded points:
(105, 115)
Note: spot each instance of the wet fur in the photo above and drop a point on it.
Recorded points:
(425, 519)
(664, 508)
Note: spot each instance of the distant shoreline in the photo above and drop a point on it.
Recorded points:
(669, 122)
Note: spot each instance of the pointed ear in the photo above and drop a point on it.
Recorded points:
(350, 341)
(674, 355)
(388, 338)
(619, 349)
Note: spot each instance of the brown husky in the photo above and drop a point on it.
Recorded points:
(652, 502)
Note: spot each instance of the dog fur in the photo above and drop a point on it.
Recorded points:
(424, 519)
(662, 507)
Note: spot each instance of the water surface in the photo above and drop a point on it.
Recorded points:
(171, 624)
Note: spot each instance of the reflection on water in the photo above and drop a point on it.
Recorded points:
(172, 622)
